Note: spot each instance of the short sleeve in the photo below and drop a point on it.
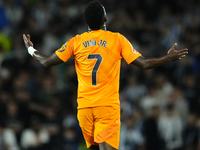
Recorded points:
(66, 51)
(127, 50)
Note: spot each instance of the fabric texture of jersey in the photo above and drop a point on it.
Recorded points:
(98, 57)
(100, 124)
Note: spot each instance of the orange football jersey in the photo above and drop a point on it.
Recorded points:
(98, 57)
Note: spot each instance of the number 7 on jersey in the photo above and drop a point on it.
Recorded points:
(99, 58)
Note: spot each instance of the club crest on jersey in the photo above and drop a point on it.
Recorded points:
(134, 51)
(63, 48)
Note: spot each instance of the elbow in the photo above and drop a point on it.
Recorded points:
(142, 63)
(147, 65)
(46, 64)
(144, 66)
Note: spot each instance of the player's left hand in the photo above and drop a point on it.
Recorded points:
(177, 54)
(27, 41)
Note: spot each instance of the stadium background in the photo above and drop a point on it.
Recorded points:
(160, 107)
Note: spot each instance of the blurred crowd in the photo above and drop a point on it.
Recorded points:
(159, 107)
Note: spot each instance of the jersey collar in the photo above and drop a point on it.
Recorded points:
(103, 28)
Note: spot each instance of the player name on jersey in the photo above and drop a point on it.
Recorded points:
(94, 42)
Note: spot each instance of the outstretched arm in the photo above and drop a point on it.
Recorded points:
(46, 61)
(172, 55)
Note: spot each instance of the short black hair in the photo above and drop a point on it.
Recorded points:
(94, 15)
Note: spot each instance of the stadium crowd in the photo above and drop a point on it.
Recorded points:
(159, 107)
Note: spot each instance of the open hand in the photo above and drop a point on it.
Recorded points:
(27, 41)
(177, 54)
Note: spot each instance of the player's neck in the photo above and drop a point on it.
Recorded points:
(103, 28)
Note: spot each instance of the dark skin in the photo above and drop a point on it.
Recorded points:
(172, 55)
(141, 62)
(46, 61)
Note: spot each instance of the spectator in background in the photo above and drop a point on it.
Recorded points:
(170, 128)
(191, 93)
(139, 119)
(150, 25)
(48, 88)
(13, 119)
(12, 11)
(150, 100)
(8, 139)
(180, 104)
(51, 124)
(36, 137)
(23, 99)
(4, 20)
(191, 133)
(5, 44)
(134, 90)
(153, 140)
(198, 126)
(164, 89)
(70, 139)
(69, 121)
(21, 81)
(72, 133)
(5, 97)
(126, 108)
(130, 137)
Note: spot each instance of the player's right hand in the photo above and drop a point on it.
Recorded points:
(27, 41)
(177, 54)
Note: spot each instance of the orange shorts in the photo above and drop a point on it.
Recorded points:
(100, 124)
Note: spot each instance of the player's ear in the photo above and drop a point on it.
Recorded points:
(105, 19)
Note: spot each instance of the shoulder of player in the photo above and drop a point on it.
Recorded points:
(113, 33)
(79, 36)
(116, 34)
(76, 38)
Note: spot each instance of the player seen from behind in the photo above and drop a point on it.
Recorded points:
(98, 55)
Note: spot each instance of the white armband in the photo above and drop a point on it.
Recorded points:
(31, 50)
